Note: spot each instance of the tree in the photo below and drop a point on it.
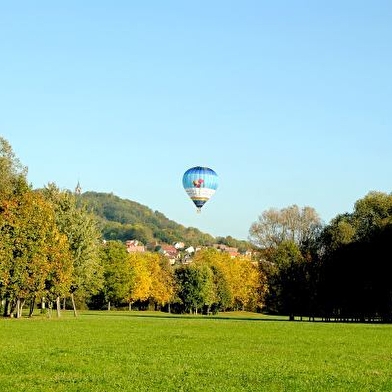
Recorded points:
(195, 286)
(12, 172)
(141, 288)
(162, 289)
(246, 283)
(340, 231)
(84, 238)
(59, 279)
(354, 272)
(153, 279)
(371, 213)
(32, 248)
(287, 241)
(236, 280)
(118, 277)
(224, 296)
(219, 263)
(292, 223)
(287, 280)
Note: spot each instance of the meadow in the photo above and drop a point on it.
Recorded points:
(149, 351)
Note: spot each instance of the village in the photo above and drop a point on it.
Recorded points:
(178, 253)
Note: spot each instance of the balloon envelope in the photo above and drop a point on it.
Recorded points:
(200, 183)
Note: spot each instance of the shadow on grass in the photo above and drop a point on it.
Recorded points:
(237, 316)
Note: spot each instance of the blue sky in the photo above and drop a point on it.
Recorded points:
(290, 102)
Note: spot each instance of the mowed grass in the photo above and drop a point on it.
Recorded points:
(146, 351)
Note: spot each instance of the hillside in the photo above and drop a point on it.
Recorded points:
(124, 219)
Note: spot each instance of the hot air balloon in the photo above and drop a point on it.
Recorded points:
(200, 183)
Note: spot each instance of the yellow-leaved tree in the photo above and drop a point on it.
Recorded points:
(162, 287)
(238, 281)
(153, 279)
(33, 252)
(141, 287)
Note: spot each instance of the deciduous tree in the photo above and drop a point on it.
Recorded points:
(118, 276)
(12, 172)
(84, 238)
(288, 224)
(31, 249)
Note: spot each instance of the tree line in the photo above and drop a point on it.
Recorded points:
(340, 271)
(53, 254)
(212, 282)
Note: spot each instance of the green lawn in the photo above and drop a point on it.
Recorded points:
(146, 351)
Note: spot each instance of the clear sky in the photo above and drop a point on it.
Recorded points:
(290, 102)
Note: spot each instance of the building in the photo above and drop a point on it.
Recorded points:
(170, 252)
(134, 246)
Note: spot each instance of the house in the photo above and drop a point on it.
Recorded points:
(134, 246)
(179, 245)
(190, 250)
(233, 252)
(170, 252)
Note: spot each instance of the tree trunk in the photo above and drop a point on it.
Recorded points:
(42, 305)
(108, 305)
(32, 306)
(73, 305)
(18, 308)
(58, 307)
(6, 307)
(12, 308)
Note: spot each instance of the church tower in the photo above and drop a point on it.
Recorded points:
(78, 189)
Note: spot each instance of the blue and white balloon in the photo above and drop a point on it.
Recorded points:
(200, 183)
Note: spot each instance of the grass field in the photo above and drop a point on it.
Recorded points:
(146, 351)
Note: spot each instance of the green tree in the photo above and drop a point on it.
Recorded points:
(84, 238)
(118, 277)
(340, 231)
(221, 295)
(354, 269)
(219, 263)
(372, 212)
(224, 295)
(287, 280)
(12, 173)
(195, 287)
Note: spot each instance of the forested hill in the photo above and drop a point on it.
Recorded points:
(125, 219)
